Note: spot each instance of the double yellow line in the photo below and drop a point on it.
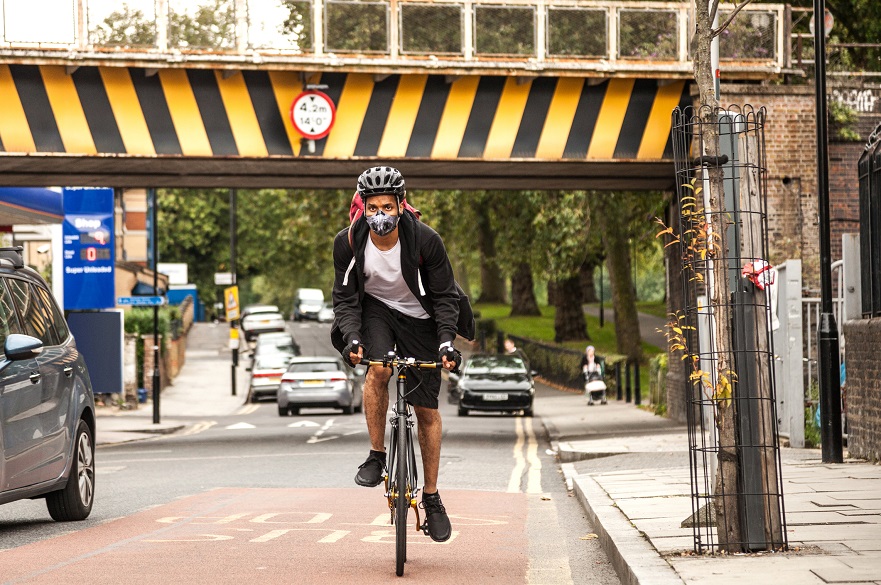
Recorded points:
(526, 461)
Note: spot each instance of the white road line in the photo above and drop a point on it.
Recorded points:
(315, 438)
(533, 485)
(520, 462)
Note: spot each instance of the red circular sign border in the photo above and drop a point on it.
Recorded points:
(332, 115)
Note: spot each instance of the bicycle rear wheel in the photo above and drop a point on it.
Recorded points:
(402, 501)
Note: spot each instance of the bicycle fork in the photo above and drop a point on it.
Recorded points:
(402, 421)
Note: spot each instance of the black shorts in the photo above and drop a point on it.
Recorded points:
(386, 329)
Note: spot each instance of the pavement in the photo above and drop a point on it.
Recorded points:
(630, 471)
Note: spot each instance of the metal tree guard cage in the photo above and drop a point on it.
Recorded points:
(723, 330)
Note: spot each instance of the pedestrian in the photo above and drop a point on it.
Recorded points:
(592, 366)
(512, 349)
(394, 290)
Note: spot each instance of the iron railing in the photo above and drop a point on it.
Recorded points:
(870, 225)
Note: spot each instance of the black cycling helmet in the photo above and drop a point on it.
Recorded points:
(381, 181)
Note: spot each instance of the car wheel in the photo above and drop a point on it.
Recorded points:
(283, 411)
(74, 501)
(294, 410)
(252, 396)
(527, 412)
(463, 411)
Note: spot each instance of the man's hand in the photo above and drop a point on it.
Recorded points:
(450, 358)
(353, 353)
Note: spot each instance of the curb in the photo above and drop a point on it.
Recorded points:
(635, 560)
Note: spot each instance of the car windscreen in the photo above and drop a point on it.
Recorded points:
(315, 367)
(495, 365)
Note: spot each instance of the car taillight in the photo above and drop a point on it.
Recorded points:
(267, 375)
(337, 379)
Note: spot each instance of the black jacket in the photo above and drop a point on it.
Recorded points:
(426, 269)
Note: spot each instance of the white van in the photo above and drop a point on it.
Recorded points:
(308, 303)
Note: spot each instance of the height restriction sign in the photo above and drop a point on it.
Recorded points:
(313, 114)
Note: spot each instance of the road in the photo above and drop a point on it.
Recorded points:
(257, 497)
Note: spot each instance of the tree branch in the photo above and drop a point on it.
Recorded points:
(713, 9)
(724, 25)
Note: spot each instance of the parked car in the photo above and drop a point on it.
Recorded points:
(47, 408)
(325, 315)
(257, 323)
(307, 303)
(266, 375)
(252, 309)
(320, 382)
(491, 382)
(275, 342)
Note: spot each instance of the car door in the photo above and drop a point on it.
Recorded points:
(21, 393)
(48, 457)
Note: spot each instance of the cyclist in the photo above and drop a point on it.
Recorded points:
(394, 290)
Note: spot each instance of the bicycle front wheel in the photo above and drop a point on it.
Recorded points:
(402, 501)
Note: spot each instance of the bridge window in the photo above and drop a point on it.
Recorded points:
(284, 25)
(644, 34)
(209, 25)
(356, 27)
(55, 24)
(131, 24)
(504, 30)
(751, 36)
(431, 29)
(577, 32)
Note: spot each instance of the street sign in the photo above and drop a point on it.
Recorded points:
(140, 301)
(231, 302)
(223, 278)
(313, 114)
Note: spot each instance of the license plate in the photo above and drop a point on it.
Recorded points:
(494, 397)
(312, 382)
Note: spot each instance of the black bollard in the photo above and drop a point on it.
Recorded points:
(628, 390)
(637, 395)
(619, 382)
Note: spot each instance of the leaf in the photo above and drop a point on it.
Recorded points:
(590, 536)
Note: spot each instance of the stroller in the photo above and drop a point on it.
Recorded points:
(594, 388)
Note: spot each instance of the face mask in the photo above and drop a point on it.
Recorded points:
(382, 224)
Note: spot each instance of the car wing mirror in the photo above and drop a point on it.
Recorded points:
(20, 347)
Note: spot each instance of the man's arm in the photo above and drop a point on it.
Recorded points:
(346, 305)
(438, 271)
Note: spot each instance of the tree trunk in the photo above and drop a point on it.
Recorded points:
(588, 290)
(618, 262)
(569, 324)
(552, 293)
(492, 283)
(522, 292)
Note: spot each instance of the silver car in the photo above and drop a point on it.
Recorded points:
(324, 382)
(266, 375)
(47, 408)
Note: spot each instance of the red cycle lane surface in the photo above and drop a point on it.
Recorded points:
(303, 536)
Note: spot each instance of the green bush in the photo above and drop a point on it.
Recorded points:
(657, 377)
(812, 431)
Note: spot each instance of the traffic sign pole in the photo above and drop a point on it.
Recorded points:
(234, 322)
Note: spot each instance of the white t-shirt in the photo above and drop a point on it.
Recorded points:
(383, 280)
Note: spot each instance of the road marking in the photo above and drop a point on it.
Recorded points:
(533, 485)
(247, 409)
(520, 462)
(527, 442)
(240, 426)
(302, 423)
(315, 438)
(198, 428)
(104, 470)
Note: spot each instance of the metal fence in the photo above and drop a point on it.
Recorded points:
(870, 225)
(724, 330)
(533, 31)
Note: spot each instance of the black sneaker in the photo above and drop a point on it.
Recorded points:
(437, 523)
(370, 473)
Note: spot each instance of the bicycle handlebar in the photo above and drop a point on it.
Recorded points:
(402, 362)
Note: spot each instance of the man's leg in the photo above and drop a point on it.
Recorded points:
(430, 430)
(376, 405)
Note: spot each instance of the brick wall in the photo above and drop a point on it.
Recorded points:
(863, 388)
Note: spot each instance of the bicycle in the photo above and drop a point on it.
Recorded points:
(401, 477)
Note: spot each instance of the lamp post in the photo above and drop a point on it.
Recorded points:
(827, 331)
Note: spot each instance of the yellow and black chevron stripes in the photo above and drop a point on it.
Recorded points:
(200, 112)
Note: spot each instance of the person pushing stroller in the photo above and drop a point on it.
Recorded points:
(593, 369)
